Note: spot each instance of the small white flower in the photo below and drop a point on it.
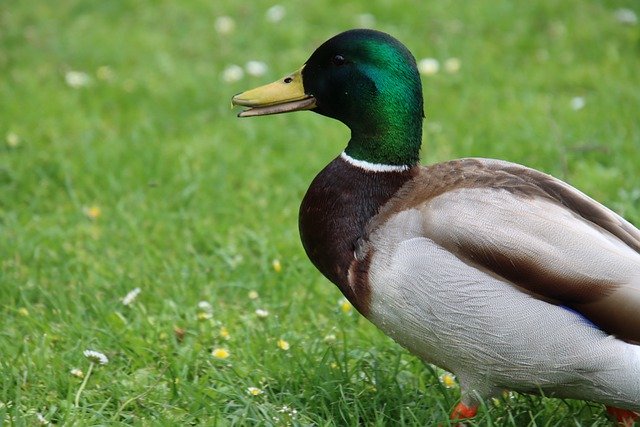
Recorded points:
(330, 338)
(96, 357)
(428, 66)
(253, 295)
(224, 25)
(578, 103)
(276, 13)
(205, 306)
(256, 68)
(452, 65)
(131, 296)
(626, 16)
(77, 373)
(41, 419)
(77, 79)
(365, 20)
(254, 391)
(13, 140)
(232, 73)
(262, 313)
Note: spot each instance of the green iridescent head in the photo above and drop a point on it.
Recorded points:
(366, 79)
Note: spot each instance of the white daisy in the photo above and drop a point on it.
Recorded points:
(276, 13)
(256, 68)
(224, 25)
(96, 357)
(262, 313)
(578, 103)
(626, 16)
(232, 73)
(205, 306)
(131, 296)
(77, 79)
(452, 65)
(428, 66)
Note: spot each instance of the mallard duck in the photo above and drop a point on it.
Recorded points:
(501, 274)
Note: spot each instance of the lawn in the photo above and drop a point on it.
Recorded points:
(122, 168)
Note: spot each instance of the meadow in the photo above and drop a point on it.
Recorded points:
(141, 219)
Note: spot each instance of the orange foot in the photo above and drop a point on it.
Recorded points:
(625, 417)
(462, 411)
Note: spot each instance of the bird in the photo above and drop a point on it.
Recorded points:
(499, 273)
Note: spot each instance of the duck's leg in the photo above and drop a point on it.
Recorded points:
(472, 394)
(624, 417)
(462, 411)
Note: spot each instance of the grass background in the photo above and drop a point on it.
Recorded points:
(194, 204)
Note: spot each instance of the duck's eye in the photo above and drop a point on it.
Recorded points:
(338, 60)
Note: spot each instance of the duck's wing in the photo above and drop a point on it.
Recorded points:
(536, 232)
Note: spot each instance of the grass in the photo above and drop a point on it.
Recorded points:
(144, 178)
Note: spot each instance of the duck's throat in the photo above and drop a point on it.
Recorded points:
(334, 213)
(387, 139)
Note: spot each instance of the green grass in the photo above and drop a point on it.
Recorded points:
(195, 204)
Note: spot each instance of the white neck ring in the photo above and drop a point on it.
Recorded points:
(372, 167)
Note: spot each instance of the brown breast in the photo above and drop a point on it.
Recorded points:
(334, 213)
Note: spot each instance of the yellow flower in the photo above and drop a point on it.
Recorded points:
(254, 391)
(253, 295)
(224, 332)
(277, 267)
(283, 345)
(23, 312)
(345, 305)
(92, 212)
(448, 380)
(220, 353)
(204, 316)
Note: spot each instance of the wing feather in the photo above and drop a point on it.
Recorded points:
(535, 232)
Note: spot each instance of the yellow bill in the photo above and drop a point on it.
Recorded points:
(281, 96)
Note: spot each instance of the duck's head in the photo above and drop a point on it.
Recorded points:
(364, 78)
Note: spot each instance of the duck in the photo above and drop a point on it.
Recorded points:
(507, 277)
